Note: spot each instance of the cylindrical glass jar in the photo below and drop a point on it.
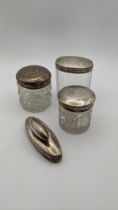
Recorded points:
(73, 70)
(34, 88)
(75, 108)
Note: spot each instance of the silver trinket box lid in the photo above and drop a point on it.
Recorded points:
(76, 98)
(74, 64)
(43, 139)
(33, 77)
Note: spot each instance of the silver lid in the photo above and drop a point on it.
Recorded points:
(43, 139)
(33, 77)
(76, 98)
(74, 64)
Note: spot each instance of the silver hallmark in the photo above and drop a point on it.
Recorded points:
(43, 139)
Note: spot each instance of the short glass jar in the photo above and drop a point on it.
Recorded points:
(73, 70)
(75, 108)
(34, 88)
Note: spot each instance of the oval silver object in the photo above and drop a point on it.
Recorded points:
(74, 64)
(76, 98)
(43, 139)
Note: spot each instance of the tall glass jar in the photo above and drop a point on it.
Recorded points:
(73, 70)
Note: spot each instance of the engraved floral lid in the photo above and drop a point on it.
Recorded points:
(74, 64)
(33, 77)
(76, 98)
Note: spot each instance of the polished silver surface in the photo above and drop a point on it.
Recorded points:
(74, 64)
(33, 77)
(76, 98)
(43, 139)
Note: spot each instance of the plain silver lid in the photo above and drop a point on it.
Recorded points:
(76, 98)
(74, 64)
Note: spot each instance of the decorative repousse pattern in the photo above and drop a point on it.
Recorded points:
(35, 100)
(74, 122)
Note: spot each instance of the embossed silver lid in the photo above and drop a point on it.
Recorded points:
(74, 64)
(76, 98)
(33, 77)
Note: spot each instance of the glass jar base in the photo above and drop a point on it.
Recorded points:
(35, 100)
(35, 110)
(74, 122)
(73, 131)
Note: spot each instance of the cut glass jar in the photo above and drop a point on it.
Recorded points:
(75, 108)
(34, 88)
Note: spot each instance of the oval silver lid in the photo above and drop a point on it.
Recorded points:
(33, 77)
(76, 98)
(74, 64)
(43, 139)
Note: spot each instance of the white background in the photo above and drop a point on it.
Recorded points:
(37, 32)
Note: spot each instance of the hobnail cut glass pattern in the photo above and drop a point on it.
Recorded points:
(74, 122)
(35, 100)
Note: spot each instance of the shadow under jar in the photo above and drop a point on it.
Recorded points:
(75, 108)
(34, 88)
(73, 70)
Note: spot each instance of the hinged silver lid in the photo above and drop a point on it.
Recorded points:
(76, 98)
(74, 64)
(33, 77)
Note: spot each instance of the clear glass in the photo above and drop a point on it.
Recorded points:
(74, 122)
(66, 79)
(35, 100)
